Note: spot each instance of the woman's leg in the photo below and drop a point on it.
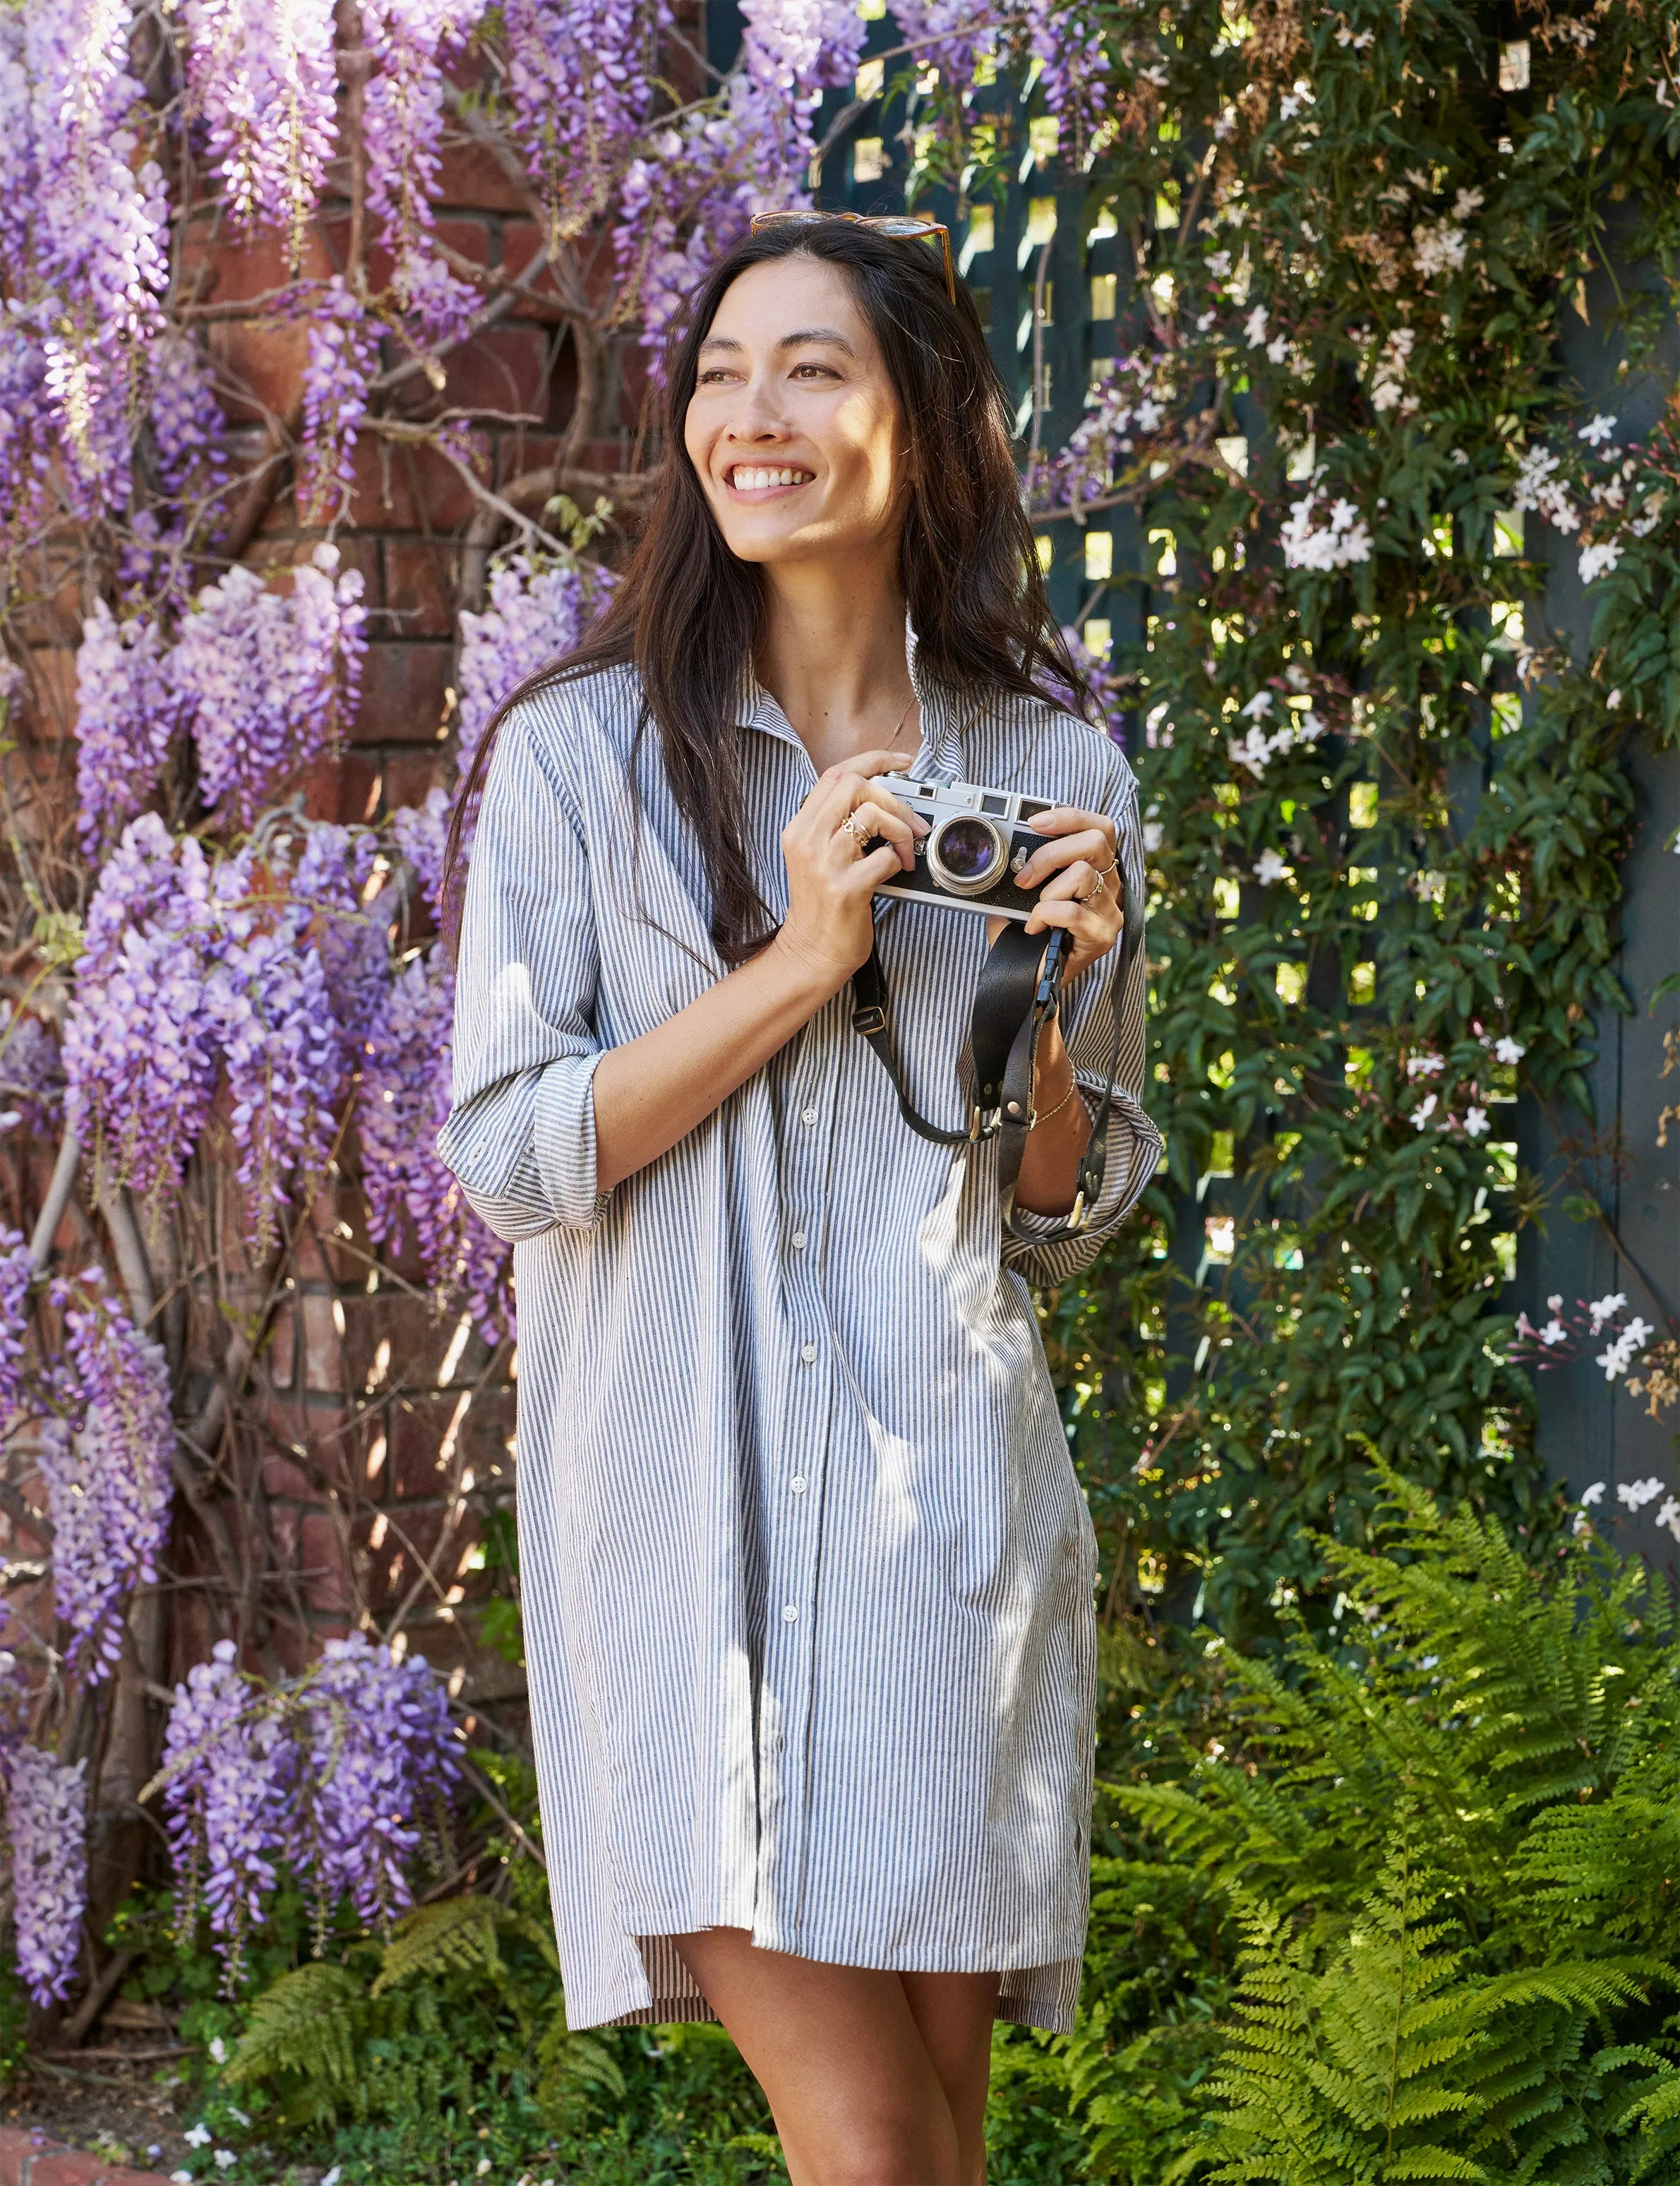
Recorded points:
(844, 2055)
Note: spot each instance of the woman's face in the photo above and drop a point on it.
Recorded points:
(795, 430)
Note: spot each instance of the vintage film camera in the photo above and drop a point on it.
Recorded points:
(976, 842)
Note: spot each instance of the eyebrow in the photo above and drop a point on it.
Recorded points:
(832, 335)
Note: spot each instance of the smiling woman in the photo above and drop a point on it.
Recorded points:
(809, 1575)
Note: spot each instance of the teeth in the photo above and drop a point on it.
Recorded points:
(755, 481)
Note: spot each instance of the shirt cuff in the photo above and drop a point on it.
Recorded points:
(562, 1133)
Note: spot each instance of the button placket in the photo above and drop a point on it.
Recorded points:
(796, 1514)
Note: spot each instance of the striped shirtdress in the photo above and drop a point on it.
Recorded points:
(807, 1572)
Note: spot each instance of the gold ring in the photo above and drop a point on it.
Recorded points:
(849, 825)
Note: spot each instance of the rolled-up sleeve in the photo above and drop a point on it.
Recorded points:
(520, 1135)
(1087, 1024)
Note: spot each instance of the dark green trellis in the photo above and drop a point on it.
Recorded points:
(1047, 244)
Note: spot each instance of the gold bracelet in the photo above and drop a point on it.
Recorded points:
(1072, 1089)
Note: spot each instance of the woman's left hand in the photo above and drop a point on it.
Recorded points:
(1079, 867)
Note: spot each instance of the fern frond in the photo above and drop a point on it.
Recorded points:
(455, 1935)
(310, 2022)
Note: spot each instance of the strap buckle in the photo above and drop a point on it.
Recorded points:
(869, 1021)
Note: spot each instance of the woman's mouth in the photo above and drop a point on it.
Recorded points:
(764, 481)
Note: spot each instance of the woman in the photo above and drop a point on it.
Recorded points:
(807, 1573)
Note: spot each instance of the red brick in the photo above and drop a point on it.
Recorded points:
(469, 176)
(402, 691)
(346, 789)
(410, 776)
(405, 488)
(253, 265)
(419, 588)
(504, 368)
(321, 1561)
(261, 364)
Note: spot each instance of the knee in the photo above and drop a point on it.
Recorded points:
(885, 2153)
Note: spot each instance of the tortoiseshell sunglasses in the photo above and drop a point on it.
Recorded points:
(910, 226)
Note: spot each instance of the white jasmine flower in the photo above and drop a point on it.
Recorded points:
(1458, 455)
(1425, 1109)
(1253, 752)
(1388, 374)
(1539, 488)
(179, 2179)
(1466, 203)
(225, 2159)
(1509, 1050)
(1278, 351)
(1255, 326)
(1425, 1065)
(1553, 1333)
(218, 2049)
(1262, 703)
(1437, 247)
(1476, 1121)
(1595, 1493)
(1669, 1516)
(197, 2136)
(1270, 867)
(1597, 561)
(1598, 432)
(1634, 1494)
(1605, 1309)
(334, 2176)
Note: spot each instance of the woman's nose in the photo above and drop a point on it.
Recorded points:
(759, 417)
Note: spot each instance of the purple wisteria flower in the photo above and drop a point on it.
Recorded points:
(380, 1751)
(422, 832)
(46, 1819)
(32, 1074)
(329, 885)
(16, 1271)
(230, 1777)
(401, 131)
(139, 1061)
(126, 713)
(335, 1776)
(187, 421)
(579, 80)
(404, 1100)
(107, 1471)
(268, 677)
(342, 355)
(96, 216)
(539, 607)
(260, 79)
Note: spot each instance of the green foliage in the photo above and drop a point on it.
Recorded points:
(1438, 867)
(1449, 1842)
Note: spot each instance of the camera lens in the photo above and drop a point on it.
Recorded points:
(966, 854)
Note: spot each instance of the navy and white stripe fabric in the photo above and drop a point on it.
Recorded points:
(807, 1573)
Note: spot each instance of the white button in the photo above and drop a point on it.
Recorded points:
(797, 1241)
(809, 1354)
(799, 1483)
(789, 1615)
(809, 1116)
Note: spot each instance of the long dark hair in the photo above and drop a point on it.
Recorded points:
(687, 615)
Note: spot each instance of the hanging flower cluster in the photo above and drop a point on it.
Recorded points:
(82, 235)
(107, 1470)
(340, 1776)
(16, 1273)
(261, 78)
(126, 713)
(338, 367)
(539, 607)
(579, 81)
(46, 1821)
(267, 678)
(410, 1195)
(194, 973)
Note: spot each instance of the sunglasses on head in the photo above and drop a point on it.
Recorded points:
(909, 226)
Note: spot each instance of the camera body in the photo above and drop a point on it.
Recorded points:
(977, 840)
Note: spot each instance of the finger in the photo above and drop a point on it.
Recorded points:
(868, 762)
(870, 820)
(879, 866)
(1088, 844)
(1071, 820)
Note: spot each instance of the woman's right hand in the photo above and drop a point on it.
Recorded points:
(830, 927)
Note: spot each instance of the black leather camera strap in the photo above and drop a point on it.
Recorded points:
(1019, 992)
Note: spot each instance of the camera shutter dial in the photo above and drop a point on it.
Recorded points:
(967, 855)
